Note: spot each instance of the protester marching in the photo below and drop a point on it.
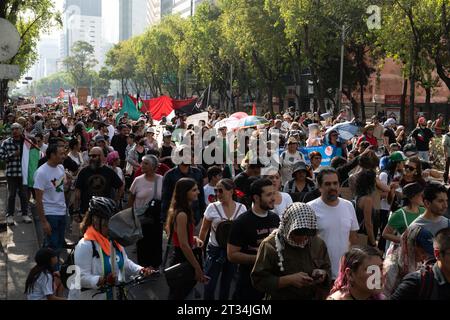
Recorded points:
(290, 206)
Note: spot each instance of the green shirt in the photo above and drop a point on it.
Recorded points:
(397, 219)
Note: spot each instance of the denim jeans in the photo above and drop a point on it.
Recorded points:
(56, 240)
(424, 155)
(15, 184)
(215, 264)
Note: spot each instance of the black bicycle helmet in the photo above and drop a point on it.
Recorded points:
(102, 207)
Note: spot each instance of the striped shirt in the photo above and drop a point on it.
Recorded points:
(8, 154)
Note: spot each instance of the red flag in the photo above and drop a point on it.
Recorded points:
(254, 109)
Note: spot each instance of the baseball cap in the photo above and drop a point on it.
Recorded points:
(390, 122)
(16, 125)
(292, 140)
(167, 133)
(151, 130)
(299, 166)
(99, 138)
(410, 149)
(397, 156)
(424, 239)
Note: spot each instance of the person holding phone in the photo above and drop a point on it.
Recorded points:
(293, 262)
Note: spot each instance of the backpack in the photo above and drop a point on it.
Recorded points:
(223, 229)
(70, 261)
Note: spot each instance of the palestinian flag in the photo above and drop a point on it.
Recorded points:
(130, 107)
(30, 158)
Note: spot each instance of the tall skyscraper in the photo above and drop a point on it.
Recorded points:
(82, 22)
(185, 8)
(135, 16)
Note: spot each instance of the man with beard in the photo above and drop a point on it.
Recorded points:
(96, 180)
(247, 232)
(336, 218)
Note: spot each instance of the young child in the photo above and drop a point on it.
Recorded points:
(41, 281)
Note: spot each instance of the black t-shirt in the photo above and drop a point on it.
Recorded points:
(68, 164)
(422, 137)
(100, 182)
(165, 152)
(247, 232)
(241, 182)
(119, 143)
(388, 132)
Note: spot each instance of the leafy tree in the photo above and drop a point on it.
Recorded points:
(80, 63)
(40, 17)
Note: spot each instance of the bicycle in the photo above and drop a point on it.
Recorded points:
(124, 287)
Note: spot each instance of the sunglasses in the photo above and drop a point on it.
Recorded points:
(317, 158)
(94, 155)
(410, 168)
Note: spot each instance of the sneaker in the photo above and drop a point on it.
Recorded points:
(10, 221)
(27, 219)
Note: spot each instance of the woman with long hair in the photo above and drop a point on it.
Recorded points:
(180, 229)
(413, 172)
(80, 133)
(351, 283)
(225, 209)
(405, 216)
(416, 248)
(364, 205)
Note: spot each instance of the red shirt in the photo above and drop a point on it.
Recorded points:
(372, 140)
(176, 243)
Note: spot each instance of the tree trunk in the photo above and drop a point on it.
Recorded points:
(403, 101)
(362, 105)
(353, 102)
(428, 99)
(412, 96)
(270, 98)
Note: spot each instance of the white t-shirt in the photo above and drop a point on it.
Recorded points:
(42, 288)
(209, 194)
(143, 190)
(287, 160)
(286, 201)
(384, 205)
(212, 215)
(334, 225)
(120, 173)
(51, 181)
(111, 132)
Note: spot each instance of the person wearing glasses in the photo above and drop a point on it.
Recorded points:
(413, 172)
(332, 139)
(316, 159)
(403, 217)
(96, 179)
(225, 209)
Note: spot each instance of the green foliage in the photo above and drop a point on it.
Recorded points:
(80, 63)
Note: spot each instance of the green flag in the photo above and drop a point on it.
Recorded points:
(128, 106)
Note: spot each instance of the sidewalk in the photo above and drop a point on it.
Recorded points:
(20, 245)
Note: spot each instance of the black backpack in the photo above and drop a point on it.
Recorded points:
(223, 229)
(70, 261)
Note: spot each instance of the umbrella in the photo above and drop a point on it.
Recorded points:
(252, 121)
(346, 130)
(230, 123)
(239, 115)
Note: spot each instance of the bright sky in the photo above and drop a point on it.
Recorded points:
(110, 13)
